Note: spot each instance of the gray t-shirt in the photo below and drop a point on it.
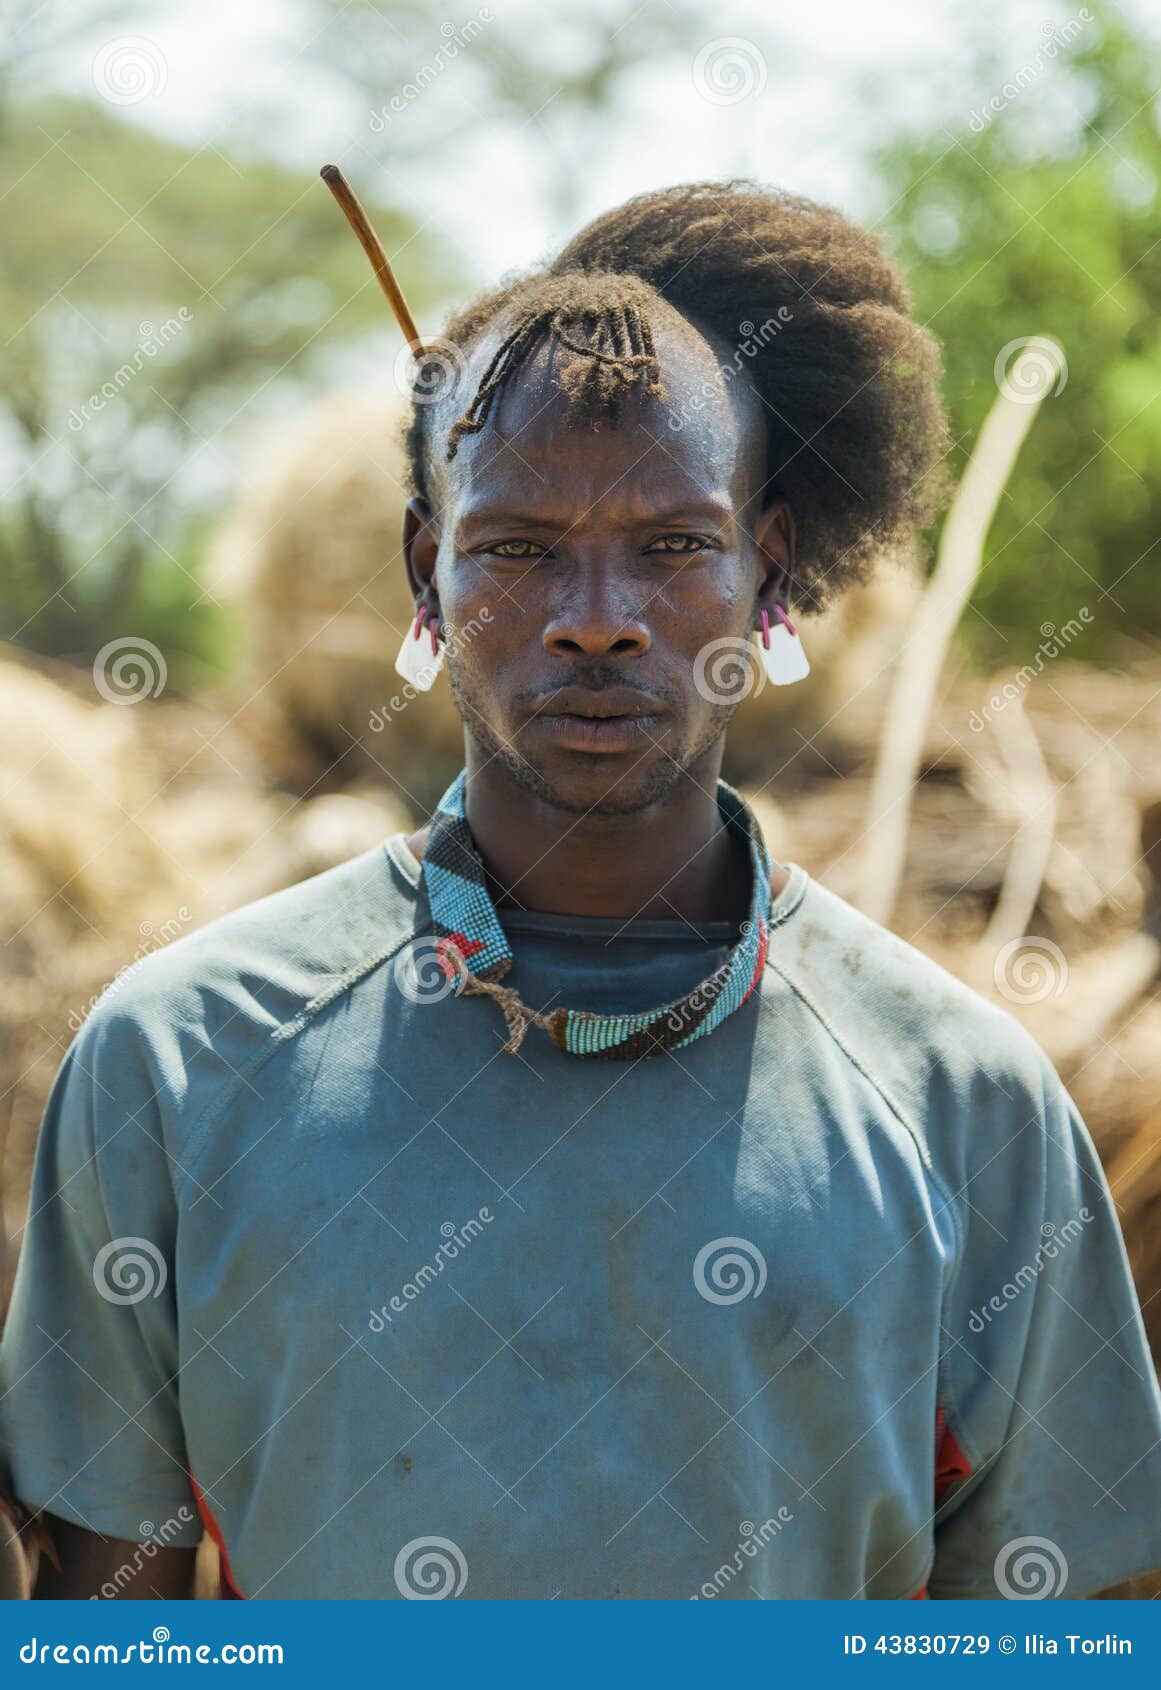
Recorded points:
(421, 1317)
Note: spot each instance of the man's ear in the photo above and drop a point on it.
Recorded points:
(420, 550)
(776, 540)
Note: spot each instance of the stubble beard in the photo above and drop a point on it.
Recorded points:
(626, 796)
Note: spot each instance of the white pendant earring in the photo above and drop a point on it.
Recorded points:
(781, 651)
(414, 663)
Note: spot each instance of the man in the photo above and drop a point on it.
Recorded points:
(563, 1200)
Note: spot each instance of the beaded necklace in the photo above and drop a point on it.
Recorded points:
(472, 945)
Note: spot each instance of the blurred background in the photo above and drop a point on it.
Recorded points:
(200, 589)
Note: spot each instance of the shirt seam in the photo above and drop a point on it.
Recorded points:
(198, 1138)
(925, 1162)
(872, 1080)
(896, 1109)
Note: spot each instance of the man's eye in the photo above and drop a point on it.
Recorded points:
(679, 545)
(519, 549)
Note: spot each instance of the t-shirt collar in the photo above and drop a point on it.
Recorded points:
(463, 916)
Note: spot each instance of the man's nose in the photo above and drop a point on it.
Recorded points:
(597, 623)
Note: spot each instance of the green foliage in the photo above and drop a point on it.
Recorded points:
(152, 298)
(1039, 218)
(156, 301)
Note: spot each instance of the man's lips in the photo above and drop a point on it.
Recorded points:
(599, 702)
(610, 720)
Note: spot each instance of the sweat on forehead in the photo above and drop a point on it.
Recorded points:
(657, 377)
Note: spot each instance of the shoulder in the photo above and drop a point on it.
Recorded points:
(950, 1062)
(212, 1003)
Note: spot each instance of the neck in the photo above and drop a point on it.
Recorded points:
(672, 860)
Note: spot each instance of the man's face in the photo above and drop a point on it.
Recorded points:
(581, 570)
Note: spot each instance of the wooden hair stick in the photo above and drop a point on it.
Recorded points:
(373, 247)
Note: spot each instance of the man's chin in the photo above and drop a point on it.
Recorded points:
(581, 784)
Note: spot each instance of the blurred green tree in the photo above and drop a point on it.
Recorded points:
(151, 294)
(1034, 213)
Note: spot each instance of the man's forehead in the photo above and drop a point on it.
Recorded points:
(690, 442)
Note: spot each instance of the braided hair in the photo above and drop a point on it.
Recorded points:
(848, 383)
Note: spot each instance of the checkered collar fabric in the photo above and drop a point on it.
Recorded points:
(464, 920)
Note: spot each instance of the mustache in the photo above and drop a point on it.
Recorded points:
(596, 678)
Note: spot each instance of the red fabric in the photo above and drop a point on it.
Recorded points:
(761, 962)
(951, 1464)
(229, 1588)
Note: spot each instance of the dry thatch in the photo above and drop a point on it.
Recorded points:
(122, 829)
